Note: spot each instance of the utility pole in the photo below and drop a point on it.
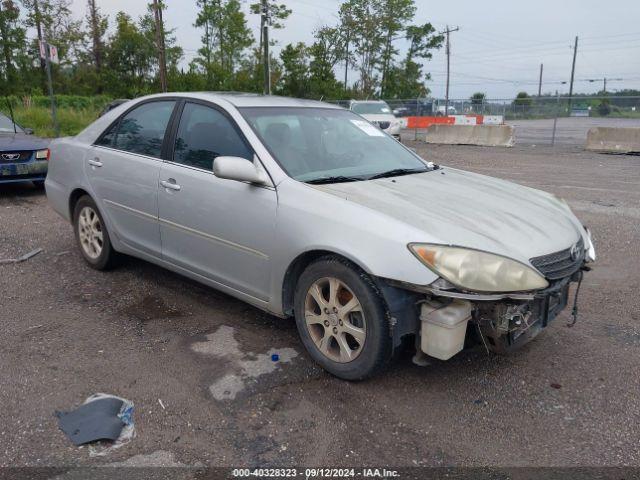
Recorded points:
(448, 31)
(605, 85)
(573, 72)
(346, 54)
(43, 67)
(47, 63)
(540, 82)
(162, 61)
(265, 20)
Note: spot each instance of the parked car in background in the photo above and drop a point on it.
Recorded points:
(306, 210)
(450, 111)
(23, 157)
(378, 113)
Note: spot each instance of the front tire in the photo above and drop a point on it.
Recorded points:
(92, 235)
(342, 319)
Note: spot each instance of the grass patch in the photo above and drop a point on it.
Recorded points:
(71, 120)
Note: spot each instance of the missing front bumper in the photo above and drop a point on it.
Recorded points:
(502, 325)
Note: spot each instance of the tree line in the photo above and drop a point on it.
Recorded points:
(118, 56)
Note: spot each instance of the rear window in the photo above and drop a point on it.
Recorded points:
(370, 108)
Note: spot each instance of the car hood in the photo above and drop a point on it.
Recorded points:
(455, 207)
(21, 141)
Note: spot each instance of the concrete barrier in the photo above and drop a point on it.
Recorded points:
(482, 135)
(613, 140)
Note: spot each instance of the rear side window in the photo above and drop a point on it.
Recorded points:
(204, 134)
(106, 140)
(142, 130)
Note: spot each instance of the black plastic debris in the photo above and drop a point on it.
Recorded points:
(93, 421)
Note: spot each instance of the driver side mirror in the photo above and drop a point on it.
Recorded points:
(28, 131)
(240, 170)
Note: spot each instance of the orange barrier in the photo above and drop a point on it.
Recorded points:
(426, 122)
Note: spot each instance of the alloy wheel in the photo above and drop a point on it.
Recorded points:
(335, 320)
(90, 232)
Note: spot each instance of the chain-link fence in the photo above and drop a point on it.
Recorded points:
(538, 120)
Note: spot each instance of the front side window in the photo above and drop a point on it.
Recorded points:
(315, 143)
(142, 130)
(204, 134)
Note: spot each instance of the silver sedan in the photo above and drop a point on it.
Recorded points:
(307, 210)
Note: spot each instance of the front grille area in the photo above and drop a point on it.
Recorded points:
(23, 156)
(560, 264)
(383, 125)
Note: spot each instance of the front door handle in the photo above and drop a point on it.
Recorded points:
(170, 184)
(95, 162)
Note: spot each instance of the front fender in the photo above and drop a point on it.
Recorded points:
(312, 220)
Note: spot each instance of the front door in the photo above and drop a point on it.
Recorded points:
(221, 229)
(123, 168)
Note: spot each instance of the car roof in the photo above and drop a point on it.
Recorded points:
(368, 101)
(242, 99)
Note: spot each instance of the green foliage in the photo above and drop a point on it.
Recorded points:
(226, 37)
(72, 120)
(523, 99)
(604, 108)
(96, 102)
(117, 56)
(478, 98)
(278, 12)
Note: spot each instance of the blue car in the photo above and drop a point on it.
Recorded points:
(23, 157)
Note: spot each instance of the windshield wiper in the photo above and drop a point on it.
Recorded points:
(337, 179)
(396, 172)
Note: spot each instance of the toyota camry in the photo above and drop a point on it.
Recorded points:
(306, 210)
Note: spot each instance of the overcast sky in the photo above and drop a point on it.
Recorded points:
(498, 50)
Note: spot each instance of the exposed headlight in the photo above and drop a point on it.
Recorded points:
(478, 271)
(591, 249)
(42, 154)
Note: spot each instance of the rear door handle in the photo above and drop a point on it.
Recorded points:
(95, 162)
(170, 184)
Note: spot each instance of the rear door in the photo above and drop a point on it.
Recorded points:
(221, 229)
(123, 168)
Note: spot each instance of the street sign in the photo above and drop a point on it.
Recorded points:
(53, 52)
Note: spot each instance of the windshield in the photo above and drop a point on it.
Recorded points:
(6, 125)
(371, 108)
(315, 143)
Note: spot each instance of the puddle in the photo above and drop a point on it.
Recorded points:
(246, 367)
(151, 308)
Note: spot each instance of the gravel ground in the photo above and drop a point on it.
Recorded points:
(196, 362)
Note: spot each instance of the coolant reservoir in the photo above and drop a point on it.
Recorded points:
(444, 327)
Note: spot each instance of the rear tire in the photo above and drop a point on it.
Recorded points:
(342, 319)
(92, 235)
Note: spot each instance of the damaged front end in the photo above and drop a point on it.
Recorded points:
(450, 318)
